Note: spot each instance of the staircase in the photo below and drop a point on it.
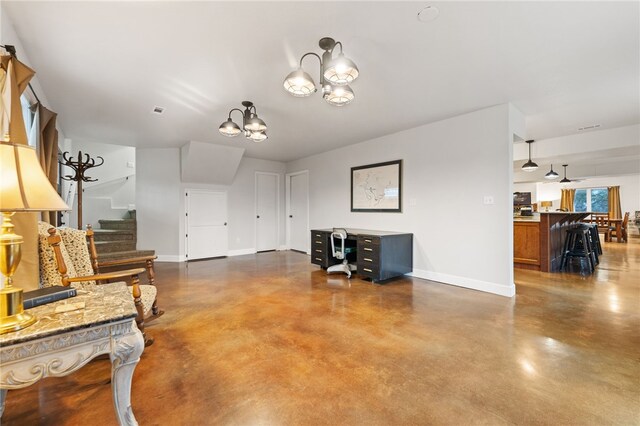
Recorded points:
(117, 238)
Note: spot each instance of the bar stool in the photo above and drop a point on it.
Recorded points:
(578, 244)
(594, 239)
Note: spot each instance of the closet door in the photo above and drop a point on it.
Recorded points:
(298, 211)
(267, 211)
(206, 224)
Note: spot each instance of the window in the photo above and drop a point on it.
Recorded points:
(591, 200)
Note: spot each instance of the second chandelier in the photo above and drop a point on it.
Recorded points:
(254, 128)
(335, 76)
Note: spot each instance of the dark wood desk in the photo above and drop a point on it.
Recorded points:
(382, 255)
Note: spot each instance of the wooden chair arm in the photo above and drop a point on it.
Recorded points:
(108, 276)
(128, 261)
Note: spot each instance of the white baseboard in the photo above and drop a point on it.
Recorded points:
(282, 248)
(489, 287)
(170, 258)
(241, 252)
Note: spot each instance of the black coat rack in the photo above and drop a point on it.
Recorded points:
(80, 166)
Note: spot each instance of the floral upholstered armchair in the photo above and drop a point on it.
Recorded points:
(65, 260)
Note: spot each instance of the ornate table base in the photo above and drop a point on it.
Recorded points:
(60, 344)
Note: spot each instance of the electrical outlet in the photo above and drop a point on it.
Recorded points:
(488, 199)
(131, 164)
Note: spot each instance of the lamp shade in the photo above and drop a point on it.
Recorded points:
(254, 124)
(546, 203)
(299, 83)
(257, 136)
(339, 95)
(23, 184)
(551, 174)
(341, 71)
(229, 128)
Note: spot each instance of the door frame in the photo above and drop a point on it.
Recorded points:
(186, 220)
(288, 177)
(255, 207)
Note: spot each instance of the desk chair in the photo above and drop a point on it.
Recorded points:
(341, 252)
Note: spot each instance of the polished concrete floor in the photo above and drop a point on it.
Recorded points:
(269, 339)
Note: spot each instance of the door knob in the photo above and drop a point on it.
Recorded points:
(225, 224)
(258, 216)
(290, 215)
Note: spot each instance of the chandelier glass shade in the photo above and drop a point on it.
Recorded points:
(229, 128)
(529, 166)
(339, 95)
(341, 71)
(299, 84)
(254, 127)
(335, 74)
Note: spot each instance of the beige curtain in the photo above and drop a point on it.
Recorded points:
(48, 153)
(16, 78)
(615, 210)
(566, 199)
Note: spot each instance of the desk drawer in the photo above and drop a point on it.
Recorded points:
(368, 260)
(368, 240)
(368, 271)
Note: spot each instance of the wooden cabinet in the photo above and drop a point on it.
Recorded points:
(380, 255)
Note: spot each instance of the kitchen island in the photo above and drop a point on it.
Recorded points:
(538, 239)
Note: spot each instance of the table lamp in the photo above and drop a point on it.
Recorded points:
(23, 188)
(546, 205)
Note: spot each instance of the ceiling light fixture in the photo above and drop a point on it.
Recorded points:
(335, 75)
(529, 166)
(565, 180)
(551, 174)
(254, 128)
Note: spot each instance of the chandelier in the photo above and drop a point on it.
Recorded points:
(254, 128)
(335, 76)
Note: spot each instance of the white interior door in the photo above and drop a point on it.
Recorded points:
(298, 216)
(206, 224)
(266, 211)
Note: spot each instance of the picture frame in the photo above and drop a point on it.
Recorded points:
(377, 187)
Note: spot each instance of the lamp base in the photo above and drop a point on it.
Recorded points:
(12, 315)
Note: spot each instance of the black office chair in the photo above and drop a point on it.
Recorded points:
(341, 252)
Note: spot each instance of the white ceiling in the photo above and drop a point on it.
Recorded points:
(104, 66)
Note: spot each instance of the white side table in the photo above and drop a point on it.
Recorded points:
(61, 343)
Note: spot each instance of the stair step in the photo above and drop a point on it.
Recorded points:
(126, 254)
(114, 234)
(115, 246)
(118, 224)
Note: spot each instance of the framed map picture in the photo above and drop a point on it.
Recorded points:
(377, 187)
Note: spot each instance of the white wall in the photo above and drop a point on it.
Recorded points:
(629, 190)
(160, 203)
(448, 169)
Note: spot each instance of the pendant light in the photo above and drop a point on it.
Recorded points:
(254, 128)
(565, 180)
(335, 75)
(529, 166)
(551, 174)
